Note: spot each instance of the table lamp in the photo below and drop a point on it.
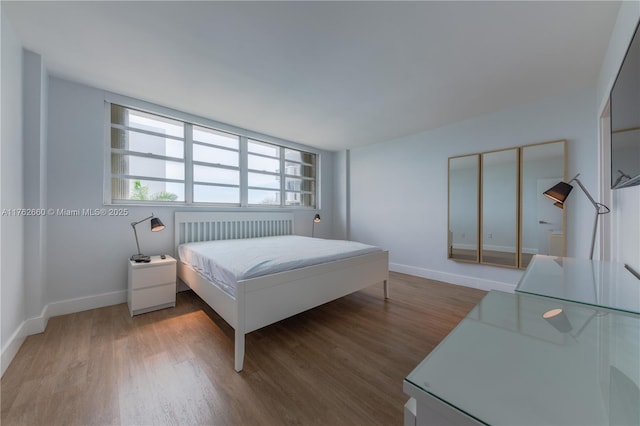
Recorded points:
(316, 219)
(156, 225)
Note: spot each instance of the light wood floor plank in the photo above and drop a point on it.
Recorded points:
(341, 363)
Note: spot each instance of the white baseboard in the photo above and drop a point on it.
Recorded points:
(467, 281)
(11, 348)
(38, 324)
(80, 304)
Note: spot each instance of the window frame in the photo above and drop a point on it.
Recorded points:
(244, 136)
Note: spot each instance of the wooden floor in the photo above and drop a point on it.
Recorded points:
(339, 364)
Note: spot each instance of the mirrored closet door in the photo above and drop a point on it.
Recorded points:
(464, 175)
(499, 213)
(542, 223)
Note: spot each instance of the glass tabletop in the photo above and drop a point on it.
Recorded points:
(517, 359)
(604, 284)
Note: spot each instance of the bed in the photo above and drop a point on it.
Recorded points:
(258, 301)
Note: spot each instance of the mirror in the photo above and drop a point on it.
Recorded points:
(499, 214)
(463, 208)
(625, 119)
(542, 224)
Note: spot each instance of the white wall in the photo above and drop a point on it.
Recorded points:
(75, 262)
(340, 195)
(399, 188)
(11, 227)
(35, 179)
(625, 203)
(87, 255)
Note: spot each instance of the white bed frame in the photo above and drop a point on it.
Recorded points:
(268, 299)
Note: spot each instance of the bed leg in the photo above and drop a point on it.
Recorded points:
(386, 289)
(239, 351)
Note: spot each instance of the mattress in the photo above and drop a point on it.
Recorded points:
(225, 262)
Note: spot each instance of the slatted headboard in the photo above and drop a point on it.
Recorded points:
(208, 226)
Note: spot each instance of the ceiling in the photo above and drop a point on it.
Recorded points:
(332, 75)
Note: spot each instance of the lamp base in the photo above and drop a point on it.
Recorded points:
(140, 258)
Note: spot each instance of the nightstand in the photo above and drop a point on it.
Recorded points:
(152, 285)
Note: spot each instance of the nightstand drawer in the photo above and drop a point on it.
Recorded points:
(150, 298)
(151, 276)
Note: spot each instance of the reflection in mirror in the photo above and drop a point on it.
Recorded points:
(499, 208)
(542, 226)
(625, 119)
(463, 208)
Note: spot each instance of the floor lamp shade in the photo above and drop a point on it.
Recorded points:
(559, 193)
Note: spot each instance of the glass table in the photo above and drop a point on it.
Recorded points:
(518, 359)
(604, 284)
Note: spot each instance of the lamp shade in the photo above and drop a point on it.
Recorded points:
(316, 218)
(559, 193)
(156, 225)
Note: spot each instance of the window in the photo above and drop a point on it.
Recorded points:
(300, 182)
(147, 156)
(216, 166)
(157, 159)
(264, 173)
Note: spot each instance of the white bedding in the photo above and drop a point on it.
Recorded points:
(225, 262)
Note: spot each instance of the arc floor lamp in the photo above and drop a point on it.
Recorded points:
(559, 194)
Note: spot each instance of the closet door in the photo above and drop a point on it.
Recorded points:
(542, 223)
(464, 175)
(499, 212)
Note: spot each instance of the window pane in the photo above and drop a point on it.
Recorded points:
(308, 186)
(149, 167)
(215, 156)
(259, 196)
(145, 121)
(216, 194)
(293, 184)
(215, 175)
(214, 137)
(298, 199)
(264, 181)
(146, 190)
(299, 156)
(142, 142)
(297, 169)
(292, 154)
(264, 164)
(264, 148)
